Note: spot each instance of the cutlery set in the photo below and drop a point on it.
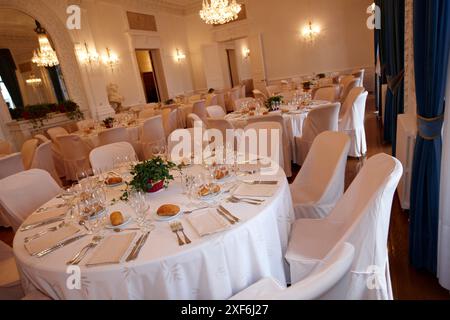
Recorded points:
(232, 219)
(82, 253)
(137, 247)
(178, 227)
(255, 202)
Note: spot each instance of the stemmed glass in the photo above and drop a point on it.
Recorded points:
(138, 203)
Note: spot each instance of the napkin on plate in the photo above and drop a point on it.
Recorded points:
(207, 222)
(259, 190)
(45, 215)
(111, 250)
(50, 239)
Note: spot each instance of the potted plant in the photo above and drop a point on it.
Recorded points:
(307, 85)
(151, 175)
(108, 122)
(272, 101)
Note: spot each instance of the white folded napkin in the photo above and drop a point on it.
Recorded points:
(111, 250)
(207, 222)
(48, 240)
(45, 215)
(258, 190)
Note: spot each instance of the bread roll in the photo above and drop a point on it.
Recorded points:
(168, 210)
(116, 218)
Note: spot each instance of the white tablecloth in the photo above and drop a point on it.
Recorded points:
(213, 267)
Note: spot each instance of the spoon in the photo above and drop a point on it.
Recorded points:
(83, 223)
(121, 230)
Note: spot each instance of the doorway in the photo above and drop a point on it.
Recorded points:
(152, 75)
(232, 67)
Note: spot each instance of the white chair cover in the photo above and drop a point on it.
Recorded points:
(25, 192)
(242, 91)
(239, 103)
(43, 159)
(221, 100)
(352, 123)
(75, 154)
(41, 138)
(348, 103)
(170, 121)
(346, 90)
(277, 154)
(28, 149)
(199, 108)
(193, 118)
(11, 164)
(57, 155)
(320, 119)
(10, 285)
(258, 95)
(102, 158)
(330, 93)
(360, 75)
(215, 112)
(322, 279)
(286, 145)
(57, 131)
(210, 100)
(220, 124)
(195, 97)
(185, 149)
(5, 147)
(320, 183)
(361, 218)
(233, 95)
(85, 124)
(113, 135)
(152, 133)
(146, 113)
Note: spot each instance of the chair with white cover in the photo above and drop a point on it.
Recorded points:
(11, 164)
(170, 121)
(10, 285)
(242, 91)
(259, 95)
(43, 159)
(215, 112)
(85, 124)
(320, 119)
(102, 158)
(345, 79)
(152, 134)
(199, 108)
(346, 90)
(146, 113)
(195, 97)
(361, 217)
(359, 74)
(320, 183)
(179, 148)
(23, 193)
(113, 135)
(335, 265)
(352, 123)
(193, 118)
(58, 158)
(233, 96)
(329, 93)
(351, 97)
(220, 124)
(264, 147)
(57, 131)
(238, 104)
(286, 145)
(28, 149)
(210, 100)
(273, 90)
(41, 138)
(75, 154)
(221, 100)
(5, 147)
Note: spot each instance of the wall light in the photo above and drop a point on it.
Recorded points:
(110, 59)
(33, 81)
(87, 56)
(179, 55)
(246, 53)
(311, 31)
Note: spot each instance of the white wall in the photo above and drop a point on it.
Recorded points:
(345, 41)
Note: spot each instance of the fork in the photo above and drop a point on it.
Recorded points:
(40, 234)
(82, 253)
(180, 228)
(234, 200)
(193, 210)
(175, 230)
(247, 199)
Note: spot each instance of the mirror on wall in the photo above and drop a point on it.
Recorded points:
(30, 73)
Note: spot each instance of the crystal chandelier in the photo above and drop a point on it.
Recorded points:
(219, 11)
(45, 56)
(311, 31)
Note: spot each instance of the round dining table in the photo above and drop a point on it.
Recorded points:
(213, 266)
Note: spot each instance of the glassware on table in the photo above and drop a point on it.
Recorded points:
(138, 203)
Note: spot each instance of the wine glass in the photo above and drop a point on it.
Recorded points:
(138, 203)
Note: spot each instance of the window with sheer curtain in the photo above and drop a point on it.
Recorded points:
(6, 95)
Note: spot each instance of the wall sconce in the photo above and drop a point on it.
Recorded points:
(110, 59)
(246, 53)
(311, 31)
(33, 81)
(179, 56)
(86, 56)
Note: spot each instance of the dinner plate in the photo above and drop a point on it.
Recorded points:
(155, 216)
(126, 220)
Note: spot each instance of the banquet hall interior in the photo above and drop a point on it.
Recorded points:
(224, 149)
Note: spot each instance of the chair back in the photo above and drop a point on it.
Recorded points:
(85, 124)
(211, 100)
(170, 122)
(153, 130)
(215, 112)
(5, 147)
(354, 112)
(146, 113)
(273, 90)
(221, 100)
(72, 147)
(242, 91)
(41, 138)
(28, 150)
(346, 89)
(330, 93)
(219, 124)
(43, 159)
(23, 193)
(57, 131)
(11, 164)
(193, 118)
(320, 119)
(182, 143)
(102, 158)
(113, 135)
(199, 108)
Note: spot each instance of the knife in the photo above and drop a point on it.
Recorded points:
(42, 223)
(130, 256)
(138, 249)
(58, 245)
(229, 213)
(262, 182)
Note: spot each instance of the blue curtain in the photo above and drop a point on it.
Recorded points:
(431, 50)
(392, 46)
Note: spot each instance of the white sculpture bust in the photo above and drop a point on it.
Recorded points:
(115, 99)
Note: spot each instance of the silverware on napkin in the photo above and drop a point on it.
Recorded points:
(58, 246)
(138, 249)
(41, 223)
(133, 251)
(229, 214)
